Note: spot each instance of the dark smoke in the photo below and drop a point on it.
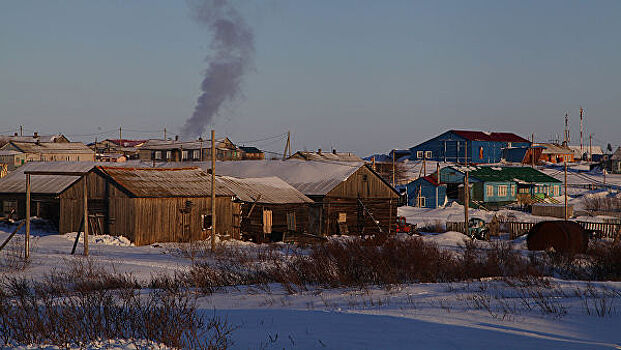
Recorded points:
(232, 51)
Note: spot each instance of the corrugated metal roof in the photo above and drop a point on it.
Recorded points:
(155, 144)
(270, 189)
(163, 182)
(15, 181)
(309, 177)
(494, 173)
(489, 136)
(329, 156)
(551, 148)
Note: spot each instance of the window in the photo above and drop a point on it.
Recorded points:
(513, 190)
(185, 155)
(480, 152)
(206, 222)
(197, 154)
(489, 190)
(502, 190)
(157, 155)
(557, 190)
(365, 178)
(168, 155)
(7, 206)
(342, 218)
(419, 154)
(421, 202)
(267, 221)
(428, 154)
(291, 221)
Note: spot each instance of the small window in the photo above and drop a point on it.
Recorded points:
(502, 190)
(185, 155)
(342, 218)
(365, 178)
(158, 155)
(168, 155)
(480, 152)
(428, 154)
(8, 206)
(419, 154)
(489, 190)
(421, 202)
(513, 190)
(197, 154)
(267, 221)
(206, 222)
(291, 221)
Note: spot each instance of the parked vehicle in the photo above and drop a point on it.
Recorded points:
(403, 226)
(478, 229)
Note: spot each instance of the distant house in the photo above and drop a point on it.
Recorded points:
(555, 153)
(349, 197)
(111, 150)
(51, 151)
(477, 146)
(583, 153)
(186, 151)
(57, 138)
(269, 208)
(252, 153)
(524, 155)
(613, 164)
(333, 156)
(12, 159)
(426, 192)
(501, 185)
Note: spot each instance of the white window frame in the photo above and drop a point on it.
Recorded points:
(428, 154)
(196, 154)
(203, 217)
(168, 155)
(185, 155)
(419, 154)
(158, 155)
(422, 202)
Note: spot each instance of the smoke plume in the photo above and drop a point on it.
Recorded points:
(232, 51)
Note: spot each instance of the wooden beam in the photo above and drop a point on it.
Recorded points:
(85, 216)
(50, 172)
(12, 234)
(213, 190)
(27, 237)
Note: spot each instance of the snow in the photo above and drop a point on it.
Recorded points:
(426, 316)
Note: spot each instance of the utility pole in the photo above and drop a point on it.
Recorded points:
(424, 164)
(287, 146)
(27, 237)
(374, 163)
(120, 134)
(21, 130)
(213, 190)
(566, 129)
(565, 163)
(394, 183)
(590, 147)
(466, 195)
(164, 134)
(532, 149)
(581, 147)
(85, 204)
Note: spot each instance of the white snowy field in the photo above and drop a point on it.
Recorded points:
(466, 315)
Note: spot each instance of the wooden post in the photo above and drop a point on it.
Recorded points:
(287, 146)
(27, 237)
(85, 199)
(374, 168)
(120, 134)
(590, 147)
(466, 194)
(213, 190)
(532, 150)
(394, 183)
(164, 134)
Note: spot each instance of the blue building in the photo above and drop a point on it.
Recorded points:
(478, 146)
(426, 192)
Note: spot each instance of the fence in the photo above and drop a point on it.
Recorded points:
(516, 229)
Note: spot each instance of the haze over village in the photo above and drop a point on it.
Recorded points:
(229, 174)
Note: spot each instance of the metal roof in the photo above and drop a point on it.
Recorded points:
(163, 182)
(51, 147)
(309, 177)
(15, 181)
(489, 136)
(551, 148)
(271, 190)
(510, 174)
(155, 144)
(330, 156)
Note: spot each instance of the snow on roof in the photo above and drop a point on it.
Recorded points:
(271, 190)
(52, 147)
(164, 182)
(490, 136)
(309, 177)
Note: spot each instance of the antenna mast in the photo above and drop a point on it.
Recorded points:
(581, 143)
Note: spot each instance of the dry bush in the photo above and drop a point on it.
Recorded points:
(606, 204)
(605, 260)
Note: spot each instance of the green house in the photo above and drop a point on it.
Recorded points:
(501, 185)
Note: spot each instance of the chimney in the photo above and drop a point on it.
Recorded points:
(333, 151)
(15, 134)
(319, 151)
(176, 138)
(35, 135)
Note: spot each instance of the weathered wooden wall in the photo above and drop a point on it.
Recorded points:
(252, 226)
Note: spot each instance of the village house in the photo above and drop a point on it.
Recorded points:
(496, 186)
(35, 137)
(116, 150)
(349, 197)
(252, 153)
(333, 156)
(426, 192)
(613, 163)
(268, 208)
(187, 151)
(12, 159)
(51, 151)
(461, 146)
(554, 153)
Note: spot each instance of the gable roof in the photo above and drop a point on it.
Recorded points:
(510, 174)
(270, 190)
(489, 136)
(157, 144)
(551, 148)
(329, 156)
(309, 177)
(617, 154)
(15, 181)
(250, 149)
(163, 182)
(50, 147)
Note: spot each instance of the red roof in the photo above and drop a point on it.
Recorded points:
(431, 179)
(489, 136)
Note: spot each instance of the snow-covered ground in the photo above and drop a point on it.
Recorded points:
(469, 315)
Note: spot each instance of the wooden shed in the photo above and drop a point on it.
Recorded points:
(269, 208)
(148, 205)
(348, 197)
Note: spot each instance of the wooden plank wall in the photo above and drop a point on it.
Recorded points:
(253, 226)
(365, 184)
(383, 210)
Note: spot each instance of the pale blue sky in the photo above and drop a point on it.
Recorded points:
(357, 75)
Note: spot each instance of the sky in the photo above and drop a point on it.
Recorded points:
(362, 76)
